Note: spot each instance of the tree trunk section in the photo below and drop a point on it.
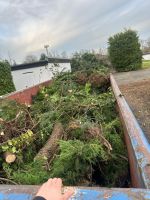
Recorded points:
(9, 157)
(49, 149)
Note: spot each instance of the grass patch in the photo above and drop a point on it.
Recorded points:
(145, 64)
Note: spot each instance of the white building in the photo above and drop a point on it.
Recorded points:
(30, 74)
(146, 56)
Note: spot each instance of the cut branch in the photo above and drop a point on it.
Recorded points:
(9, 157)
(50, 148)
(7, 180)
(96, 132)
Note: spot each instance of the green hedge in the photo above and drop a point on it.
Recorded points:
(124, 51)
(6, 81)
(86, 61)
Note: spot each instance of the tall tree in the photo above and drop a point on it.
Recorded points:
(43, 56)
(145, 45)
(124, 51)
(64, 54)
(148, 43)
(6, 81)
(86, 61)
(30, 59)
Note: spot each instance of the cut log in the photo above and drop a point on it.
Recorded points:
(9, 157)
(50, 148)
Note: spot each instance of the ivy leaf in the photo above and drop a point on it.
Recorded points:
(4, 148)
(30, 133)
(14, 150)
(10, 142)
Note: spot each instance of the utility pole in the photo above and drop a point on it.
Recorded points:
(46, 47)
(10, 60)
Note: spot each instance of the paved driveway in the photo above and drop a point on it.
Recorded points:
(131, 77)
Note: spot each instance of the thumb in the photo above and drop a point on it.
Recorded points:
(68, 194)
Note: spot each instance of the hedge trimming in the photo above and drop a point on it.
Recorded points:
(91, 151)
(124, 51)
(6, 81)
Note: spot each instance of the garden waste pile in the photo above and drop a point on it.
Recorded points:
(71, 131)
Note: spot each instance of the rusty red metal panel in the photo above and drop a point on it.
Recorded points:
(136, 142)
(25, 96)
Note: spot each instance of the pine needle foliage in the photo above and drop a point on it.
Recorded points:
(31, 174)
(8, 109)
(92, 146)
(86, 61)
(75, 160)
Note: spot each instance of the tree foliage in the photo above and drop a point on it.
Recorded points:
(91, 149)
(6, 81)
(124, 51)
(145, 46)
(76, 158)
(30, 59)
(43, 56)
(87, 61)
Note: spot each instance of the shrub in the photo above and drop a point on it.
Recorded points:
(6, 81)
(87, 61)
(124, 51)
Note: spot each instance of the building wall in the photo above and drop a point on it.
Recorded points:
(25, 78)
(146, 57)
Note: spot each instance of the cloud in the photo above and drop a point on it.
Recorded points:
(25, 26)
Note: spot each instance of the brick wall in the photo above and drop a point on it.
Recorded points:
(25, 96)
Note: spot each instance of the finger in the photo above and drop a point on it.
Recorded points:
(59, 182)
(68, 194)
(49, 182)
(54, 181)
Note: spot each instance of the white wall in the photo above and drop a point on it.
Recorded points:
(146, 57)
(29, 77)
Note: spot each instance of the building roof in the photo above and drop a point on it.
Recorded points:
(39, 63)
(148, 53)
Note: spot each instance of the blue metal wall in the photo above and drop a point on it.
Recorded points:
(81, 194)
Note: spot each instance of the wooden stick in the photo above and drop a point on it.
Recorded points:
(5, 179)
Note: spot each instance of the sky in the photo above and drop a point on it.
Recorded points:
(67, 25)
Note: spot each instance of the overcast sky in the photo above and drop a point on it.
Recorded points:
(67, 25)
